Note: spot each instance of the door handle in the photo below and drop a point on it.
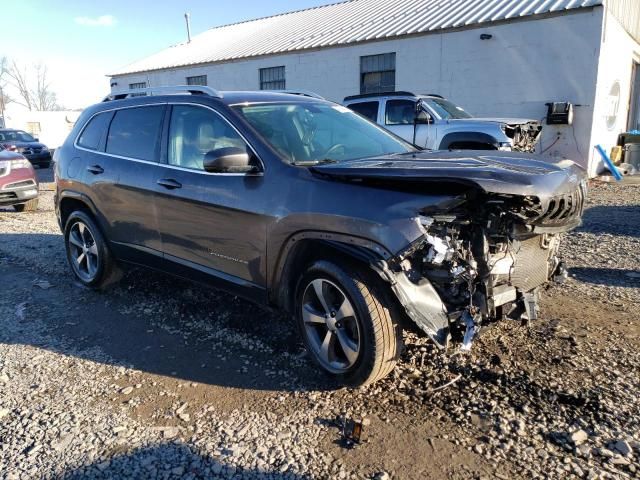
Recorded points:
(95, 169)
(169, 183)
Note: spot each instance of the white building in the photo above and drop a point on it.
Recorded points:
(50, 127)
(494, 57)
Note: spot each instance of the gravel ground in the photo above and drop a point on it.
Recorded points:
(159, 378)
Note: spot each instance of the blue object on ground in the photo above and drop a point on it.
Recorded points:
(607, 161)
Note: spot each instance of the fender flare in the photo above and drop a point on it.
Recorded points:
(81, 197)
(356, 247)
(475, 137)
(420, 300)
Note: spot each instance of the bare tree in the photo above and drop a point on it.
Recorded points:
(36, 94)
(45, 98)
(5, 99)
(19, 80)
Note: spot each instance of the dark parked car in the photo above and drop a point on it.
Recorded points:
(18, 183)
(302, 204)
(24, 143)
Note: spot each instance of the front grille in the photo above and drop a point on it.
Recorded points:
(7, 195)
(36, 149)
(531, 268)
(564, 207)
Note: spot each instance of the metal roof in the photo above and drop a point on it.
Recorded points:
(343, 23)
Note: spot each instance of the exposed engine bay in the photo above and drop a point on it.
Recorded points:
(486, 263)
(524, 135)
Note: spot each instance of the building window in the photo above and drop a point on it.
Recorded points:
(378, 73)
(197, 80)
(272, 78)
(33, 128)
(136, 86)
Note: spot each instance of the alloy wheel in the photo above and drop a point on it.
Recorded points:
(331, 325)
(83, 251)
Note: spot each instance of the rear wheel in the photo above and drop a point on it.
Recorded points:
(345, 318)
(88, 253)
(30, 206)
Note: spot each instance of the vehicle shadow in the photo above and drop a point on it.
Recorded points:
(151, 322)
(621, 220)
(170, 460)
(45, 175)
(613, 277)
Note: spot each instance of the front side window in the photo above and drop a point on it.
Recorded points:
(272, 78)
(316, 132)
(366, 109)
(400, 112)
(195, 131)
(135, 132)
(92, 133)
(378, 73)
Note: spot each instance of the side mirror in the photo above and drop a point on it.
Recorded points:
(36, 139)
(229, 160)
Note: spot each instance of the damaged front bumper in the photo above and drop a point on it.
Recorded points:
(461, 274)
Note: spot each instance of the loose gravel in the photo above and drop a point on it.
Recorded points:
(159, 378)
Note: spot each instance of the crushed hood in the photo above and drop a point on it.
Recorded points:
(495, 172)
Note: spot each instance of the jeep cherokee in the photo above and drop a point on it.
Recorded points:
(301, 204)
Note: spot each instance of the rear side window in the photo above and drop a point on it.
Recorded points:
(93, 131)
(135, 132)
(366, 109)
(400, 112)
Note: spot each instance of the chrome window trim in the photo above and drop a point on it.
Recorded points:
(167, 165)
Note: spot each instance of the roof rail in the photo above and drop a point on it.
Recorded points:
(381, 94)
(172, 90)
(303, 93)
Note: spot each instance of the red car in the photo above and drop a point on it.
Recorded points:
(18, 183)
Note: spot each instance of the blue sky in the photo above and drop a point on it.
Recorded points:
(80, 41)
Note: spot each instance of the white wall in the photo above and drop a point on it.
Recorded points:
(525, 65)
(54, 126)
(611, 115)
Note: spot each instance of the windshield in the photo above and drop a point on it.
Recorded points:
(16, 136)
(317, 132)
(445, 109)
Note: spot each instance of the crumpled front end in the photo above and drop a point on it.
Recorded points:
(483, 261)
(524, 136)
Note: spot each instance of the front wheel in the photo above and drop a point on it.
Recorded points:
(345, 318)
(88, 253)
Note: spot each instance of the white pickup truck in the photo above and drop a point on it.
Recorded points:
(435, 123)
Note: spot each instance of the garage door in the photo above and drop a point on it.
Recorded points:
(634, 119)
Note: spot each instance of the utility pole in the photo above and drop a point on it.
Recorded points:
(187, 18)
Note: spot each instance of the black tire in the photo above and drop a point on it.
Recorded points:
(30, 206)
(379, 337)
(105, 270)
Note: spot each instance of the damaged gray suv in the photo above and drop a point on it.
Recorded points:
(301, 204)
